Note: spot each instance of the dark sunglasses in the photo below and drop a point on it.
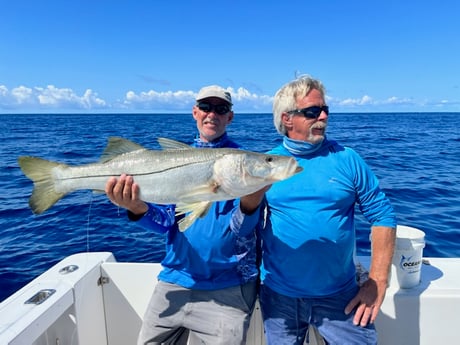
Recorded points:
(311, 112)
(220, 109)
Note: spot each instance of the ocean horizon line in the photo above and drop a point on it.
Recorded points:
(236, 113)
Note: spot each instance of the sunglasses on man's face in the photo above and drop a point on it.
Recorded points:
(220, 109)
(311, 112)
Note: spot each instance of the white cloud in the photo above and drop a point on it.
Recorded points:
(365, 100)
(247, 100)
(159, 100)
(50, 97)
(397, 100)
(369, 101)
(184, 100)
(22, 94)
(36, 99)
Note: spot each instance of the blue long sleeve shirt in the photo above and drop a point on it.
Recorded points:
(309, 234)
(216, 251)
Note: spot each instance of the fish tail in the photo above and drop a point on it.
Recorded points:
(39, 171)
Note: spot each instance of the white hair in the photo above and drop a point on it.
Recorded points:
(286, 97)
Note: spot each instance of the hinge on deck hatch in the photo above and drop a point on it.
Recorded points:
(103, 280)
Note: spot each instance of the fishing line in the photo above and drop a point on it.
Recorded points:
(88, 221)
(83, 287)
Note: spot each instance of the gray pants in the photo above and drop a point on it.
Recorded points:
(216, 317)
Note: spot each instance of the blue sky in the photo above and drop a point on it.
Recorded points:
(96, 56)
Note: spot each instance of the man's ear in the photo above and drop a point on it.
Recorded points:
(286, 119)
(194, 112)
(230, 117)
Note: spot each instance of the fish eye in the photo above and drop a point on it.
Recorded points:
(269, 159)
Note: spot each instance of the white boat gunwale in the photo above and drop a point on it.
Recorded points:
(103, 301)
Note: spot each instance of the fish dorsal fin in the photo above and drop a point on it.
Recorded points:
(169, 144)
(117, 146)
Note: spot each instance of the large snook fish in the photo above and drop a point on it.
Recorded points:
(189, 177)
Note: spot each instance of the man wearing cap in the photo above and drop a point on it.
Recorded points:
(207, 288)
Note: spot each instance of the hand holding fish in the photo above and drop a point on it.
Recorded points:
(123, 192)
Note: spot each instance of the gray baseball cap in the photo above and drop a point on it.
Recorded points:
(214, 91)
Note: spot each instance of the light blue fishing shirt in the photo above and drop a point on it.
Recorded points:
(216, 251)
(309, 234)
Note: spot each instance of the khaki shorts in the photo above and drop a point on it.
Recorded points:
(176, 315)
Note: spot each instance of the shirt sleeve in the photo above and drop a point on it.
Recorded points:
(159, 218)
(373, 202)
(243, 224)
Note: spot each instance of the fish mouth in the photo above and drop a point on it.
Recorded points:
(290, 168)
(293, 167)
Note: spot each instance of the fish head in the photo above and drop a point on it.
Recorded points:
(245, 172)
(271, 168)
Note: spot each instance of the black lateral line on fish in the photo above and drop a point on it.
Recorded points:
(136, 174)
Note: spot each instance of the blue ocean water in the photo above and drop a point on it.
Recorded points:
(415, 155)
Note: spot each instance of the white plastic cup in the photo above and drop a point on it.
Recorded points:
(407, 258)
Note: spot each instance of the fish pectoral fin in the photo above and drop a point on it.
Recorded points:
(193, 211)
(200, 193)
(199, 208)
